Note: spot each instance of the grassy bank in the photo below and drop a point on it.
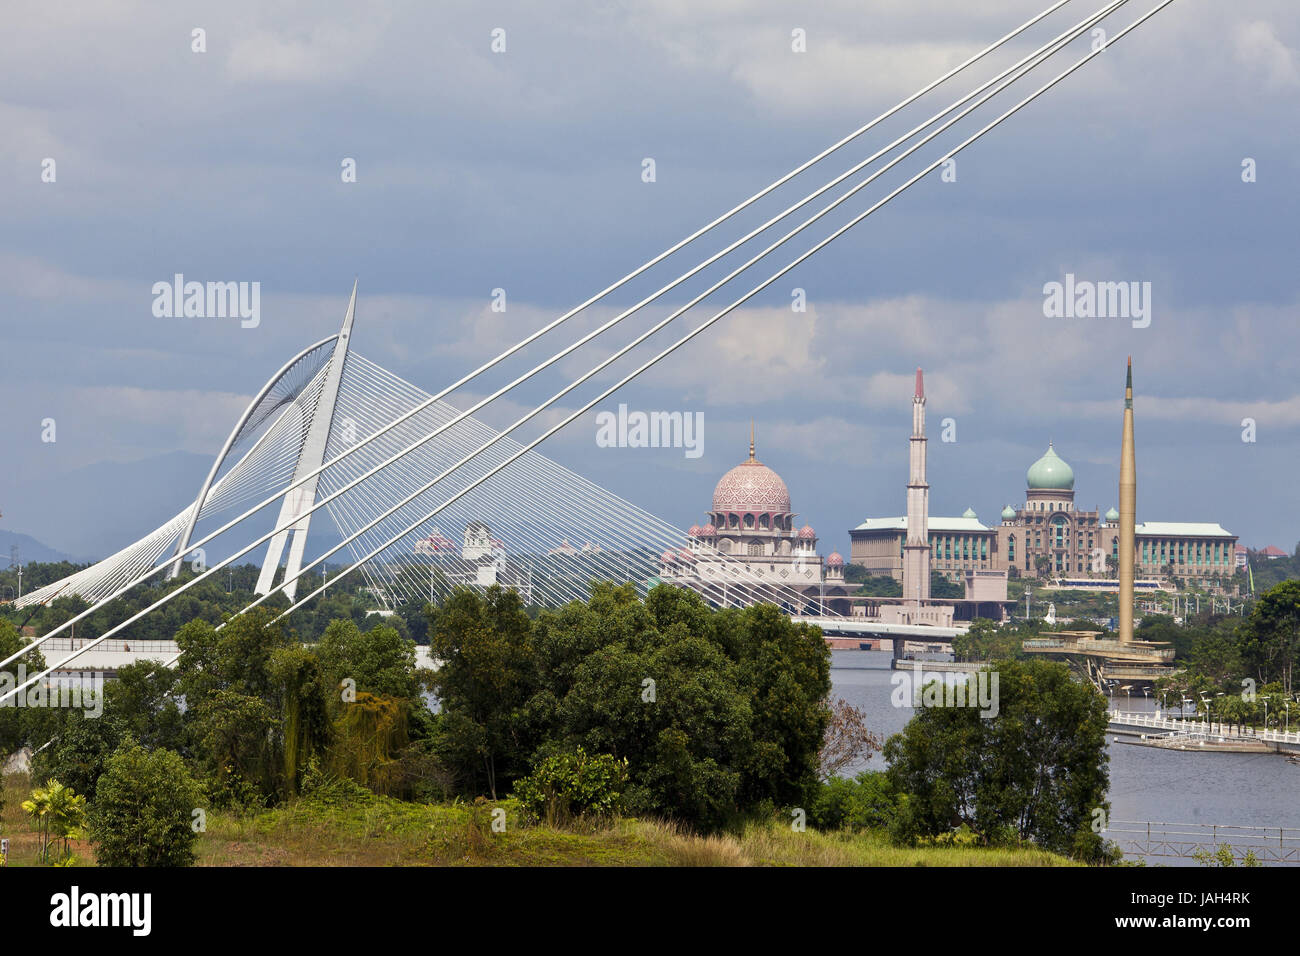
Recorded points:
(388, 832)
(378, 831)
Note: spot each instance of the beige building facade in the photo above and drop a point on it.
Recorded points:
(1048, 537)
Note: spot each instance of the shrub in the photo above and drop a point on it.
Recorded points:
(571, 784)
(868, 801)
(144, 810)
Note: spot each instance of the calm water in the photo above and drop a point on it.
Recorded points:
(1145, 784)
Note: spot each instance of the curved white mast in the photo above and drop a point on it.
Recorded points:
(298, 503)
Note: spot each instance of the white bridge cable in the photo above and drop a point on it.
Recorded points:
(556, 495)
(806, 255)
(1045, 50)
(1031, 62)
(650, 263)
(1037, 58)
(553, 503)
(616, 526)
(816, 248)
(268, 462)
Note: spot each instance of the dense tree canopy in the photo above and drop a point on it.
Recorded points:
(1035, 771)
(714, 711)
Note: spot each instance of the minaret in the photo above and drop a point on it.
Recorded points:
(916, 548)
(1127, 514)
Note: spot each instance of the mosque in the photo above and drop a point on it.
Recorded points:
(749, 548)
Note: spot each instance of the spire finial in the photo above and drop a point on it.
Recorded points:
(751, 439)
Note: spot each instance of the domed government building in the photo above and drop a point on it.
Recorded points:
(751, 546)
(1048, 536)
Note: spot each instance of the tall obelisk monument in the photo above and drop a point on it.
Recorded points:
(1127, 514)
(916, 548)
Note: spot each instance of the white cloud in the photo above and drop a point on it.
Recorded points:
(1259, 49)
(326, 51)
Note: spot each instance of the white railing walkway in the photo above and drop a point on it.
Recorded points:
(1157, 722)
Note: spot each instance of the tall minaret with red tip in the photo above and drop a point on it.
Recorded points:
(916, 548)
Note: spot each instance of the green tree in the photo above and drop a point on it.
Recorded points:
(143, 810)
(865, 802)
(37, 806)
(79, 749)
(16, 722)
(236, 657)
(715, 712)
(59, 814)
(142, 702)
(379, 661)
(305, 712)
(239, 749)
(984, 641)
(1270, 638)
(488, 672)
(1036, 771)
(572, 784)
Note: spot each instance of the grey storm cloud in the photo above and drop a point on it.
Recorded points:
(522, 171)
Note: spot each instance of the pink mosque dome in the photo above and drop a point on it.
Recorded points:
(695, 531)
(751, 486)
(708, 531)
(669, 557)
(685, 555)
(807, 533)
(836, 560)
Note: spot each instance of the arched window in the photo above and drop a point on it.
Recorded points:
(1059, 531)
(755, 549)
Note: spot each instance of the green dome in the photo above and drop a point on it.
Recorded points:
(1112, 514)
(1008, 513)
(1050, 473)
(969, 513)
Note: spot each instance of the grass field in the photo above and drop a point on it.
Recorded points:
(379, 831)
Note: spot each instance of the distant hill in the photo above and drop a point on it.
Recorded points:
(29, 549)
(94, 511)
(97, 510)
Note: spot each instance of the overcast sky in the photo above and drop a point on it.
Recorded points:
(522, 170)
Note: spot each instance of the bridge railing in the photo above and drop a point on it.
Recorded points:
(127, 646)
(1137, 719)
(1151, 838)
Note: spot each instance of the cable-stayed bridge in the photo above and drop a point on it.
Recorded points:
(533, 525)
(425, 496)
